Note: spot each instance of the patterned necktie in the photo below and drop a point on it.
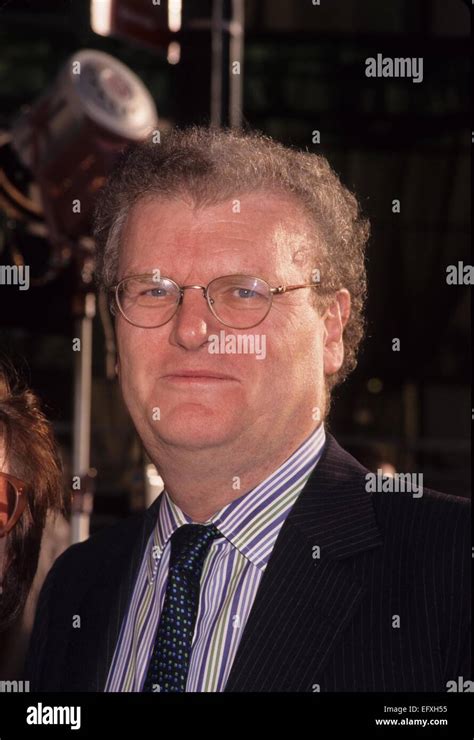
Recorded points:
(169, 662)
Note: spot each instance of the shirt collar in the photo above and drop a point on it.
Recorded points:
(251, 522)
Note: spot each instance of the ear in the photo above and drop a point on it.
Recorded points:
(334, 319)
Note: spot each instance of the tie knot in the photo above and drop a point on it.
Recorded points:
(190, 544)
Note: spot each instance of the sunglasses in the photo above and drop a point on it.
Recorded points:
(12, 501)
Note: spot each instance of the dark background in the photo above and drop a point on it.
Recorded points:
(387, 138)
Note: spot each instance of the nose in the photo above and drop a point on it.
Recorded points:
(192, 323)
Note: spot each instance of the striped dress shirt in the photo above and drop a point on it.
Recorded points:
(230, 578)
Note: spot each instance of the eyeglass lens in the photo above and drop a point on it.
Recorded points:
(239, 301)
(8, 501)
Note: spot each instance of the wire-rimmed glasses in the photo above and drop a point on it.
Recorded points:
(237, 301)
(12, 501)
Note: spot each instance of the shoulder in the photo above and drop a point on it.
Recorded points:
(403, 506)
(424, 510)
(86, 560)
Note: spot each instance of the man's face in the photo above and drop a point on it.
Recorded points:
(260, 398)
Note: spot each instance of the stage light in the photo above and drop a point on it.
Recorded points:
(101, 17)
(174, 15)
(71, 136)
(149, 23)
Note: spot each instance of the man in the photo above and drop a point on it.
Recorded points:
(266, 564)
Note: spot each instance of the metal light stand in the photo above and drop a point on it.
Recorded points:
(227, 42)
(84, 310)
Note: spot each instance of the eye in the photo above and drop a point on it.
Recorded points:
(155, 292)
(246, 293)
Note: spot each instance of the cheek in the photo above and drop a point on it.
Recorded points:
(135, 345)
(136, 353)
(301, 344)
(294, 360)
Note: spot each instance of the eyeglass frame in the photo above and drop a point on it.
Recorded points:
(279, 290)
(21, 490)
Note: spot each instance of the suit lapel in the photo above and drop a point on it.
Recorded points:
(308, 593)
(115, 592)
(124, 594)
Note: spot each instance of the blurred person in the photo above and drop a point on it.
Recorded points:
(31, 497)
(267, 563)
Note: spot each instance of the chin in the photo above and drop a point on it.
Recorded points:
(193, 426)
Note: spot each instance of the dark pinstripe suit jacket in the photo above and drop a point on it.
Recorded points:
(385, 606)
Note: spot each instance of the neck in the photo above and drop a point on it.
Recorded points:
(201, 482)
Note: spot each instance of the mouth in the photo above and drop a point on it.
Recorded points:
(197, 378)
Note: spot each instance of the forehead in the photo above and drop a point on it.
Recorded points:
(255, 229)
